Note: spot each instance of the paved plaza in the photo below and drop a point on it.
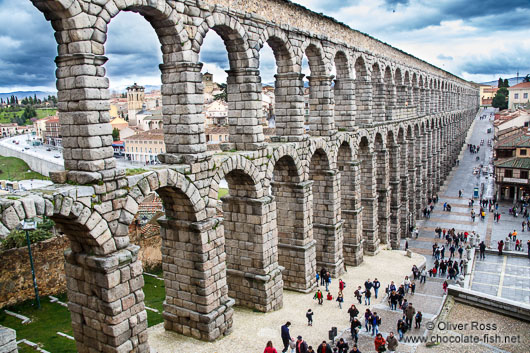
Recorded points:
(252, 330)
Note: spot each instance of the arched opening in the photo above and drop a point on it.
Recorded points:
(287, 97)
(412, 175)
(327, 230)
(250, 232)
(401, 94)
(415, 93)
(241, 95)
(378, 94)
(370, 227)
(390, 93)
(296, 246)
(363, 93)
(350, 185)
(321, 102)
(404, 183)
(407, 89)
(343, 93)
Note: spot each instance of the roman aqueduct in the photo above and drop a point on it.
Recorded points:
(383, 135)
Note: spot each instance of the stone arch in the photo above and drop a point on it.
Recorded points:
(363, 92)
(370, 227)
(342, 91)
(288, 86)
(320, 144)
(390, 92)
(243, 168)
(378, 93)
(233, 34)
(283, 151)
(321, 102)
(327, 231)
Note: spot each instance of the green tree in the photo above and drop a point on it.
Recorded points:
(221, 96)
(115, 134)
(506, 83)
(501, 99)
(526, 78)
(500, 83)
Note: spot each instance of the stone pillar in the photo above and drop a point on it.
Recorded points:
(378, 101)
(412, 180)
(254, 277)
(106, 301)
(432, 101)
(193, 260)
(391, 101)
(383, 195)
(83, 105)
(437, 159)
(423, 102)
(289, 107)
(402, 95)
(419, 148)
(363, 102)
(416, 98)
(352, 214)
(430, 174)
(405, 191)
(244, 110)
(395, 199)
(370, 225)
(182, 99)
(440, 105)
(423, 169)
(327, 223)
(296, 246)
(344, 104)
(321, 106)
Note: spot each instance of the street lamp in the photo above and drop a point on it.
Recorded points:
(27, 225)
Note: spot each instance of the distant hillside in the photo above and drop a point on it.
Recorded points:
(24, 94)
(512, 81)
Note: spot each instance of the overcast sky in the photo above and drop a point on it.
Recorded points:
(478, 40)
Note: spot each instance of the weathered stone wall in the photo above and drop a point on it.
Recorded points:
(16, 284)
(8, 340)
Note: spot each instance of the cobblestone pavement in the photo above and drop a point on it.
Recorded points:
(252, 330)
(503, 276)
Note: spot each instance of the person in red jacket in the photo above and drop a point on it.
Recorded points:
(379, 342)
(269, 348)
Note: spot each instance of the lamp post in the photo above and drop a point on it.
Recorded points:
(27, 225)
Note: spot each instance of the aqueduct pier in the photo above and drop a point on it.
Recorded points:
(383, 135)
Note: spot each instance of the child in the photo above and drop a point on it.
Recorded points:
(309, 316)
(329, 296)
(412, 287)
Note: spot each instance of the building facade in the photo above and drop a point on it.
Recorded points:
(144, 147)
(519, 96)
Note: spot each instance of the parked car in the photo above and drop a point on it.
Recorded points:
(48, 149)
(57, 156)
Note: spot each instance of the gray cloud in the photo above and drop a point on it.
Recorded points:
(444, 57)
(498, 63)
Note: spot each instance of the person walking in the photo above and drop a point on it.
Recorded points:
(269, 348)
(482, 250)
(324, 348)
(409, 314)
(286, 336)
(419, 316)
(368, 320)
(379, 343)
(340, 299)
(342, 285)
(423, 275)
(393, 300)
(322, 275)
(376, 321)
(319, 296)
(445, 285)
(355, 326)
(500, 246)
(367, 296)
(392, 342)
(376, 285)
(406, 283)
(528, 246)
(401, 328)
(353, 312)
(301, 345)
(309, 316)
(342, 346)
(358, 294)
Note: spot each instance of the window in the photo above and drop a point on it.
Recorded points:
(523, 174)
(522, 152)
(525, 95)
(516, 96)
(508, 173)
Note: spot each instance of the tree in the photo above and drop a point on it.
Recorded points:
(500, 100)
(221, 96)
(115, 134)
(500, 83)
(506, 83)
(526, 78)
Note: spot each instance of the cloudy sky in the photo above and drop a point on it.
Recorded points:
(478, 40)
